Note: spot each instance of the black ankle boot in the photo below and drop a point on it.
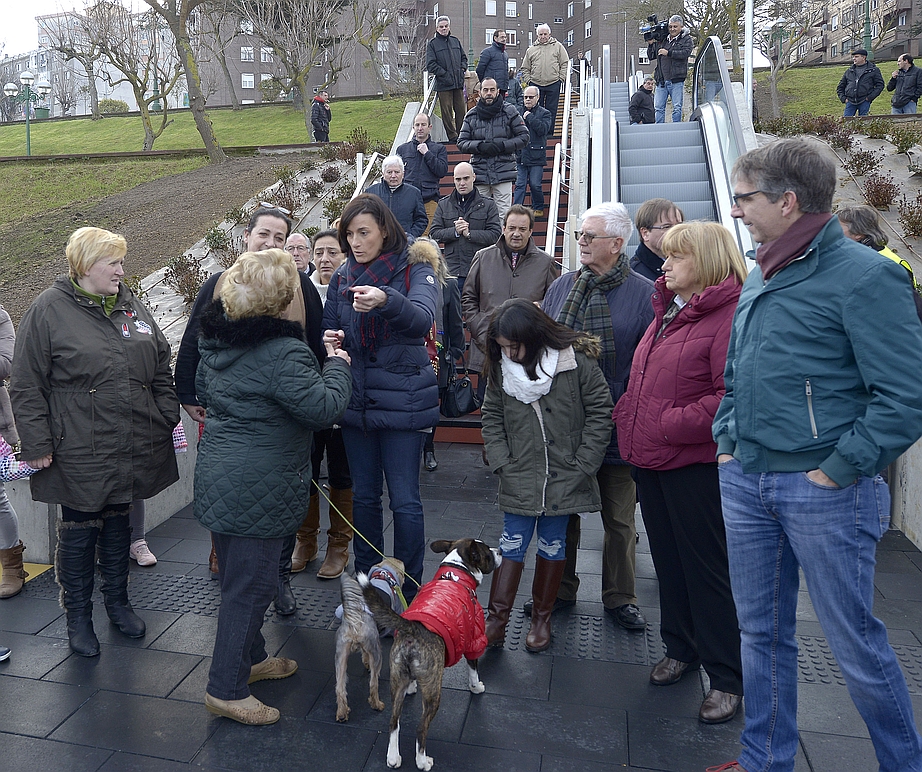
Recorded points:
(74, 564)
(114, 542)
(285, 602)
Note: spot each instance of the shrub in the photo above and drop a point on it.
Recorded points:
(359, 140)
(911, 216)
(861, 162)
(311, 230)
(217, 238)
(313, 187)
(112, 106)
(308, 164)
(841, 138)
(235, 216)
(185, 275)
(134, 284)
(877, 128)
(333, 208)
(903, 137)
(330, 173)
(821, 125)
(330, 151)
(880, 191)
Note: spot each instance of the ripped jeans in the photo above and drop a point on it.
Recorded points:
(518, 530)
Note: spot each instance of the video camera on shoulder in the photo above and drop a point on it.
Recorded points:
(655, 30)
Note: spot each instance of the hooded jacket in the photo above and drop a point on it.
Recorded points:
(547, 453)
(393, 384)
(97, 392)
(908, 86)
(483, 217)
(677, 380)
(501, 127)
(265, 396)
(445, 58)
(320, 115)
(865, 87)
(494, 63)
(448, 607)
(406, 203)
(424, 171)
(546, 63)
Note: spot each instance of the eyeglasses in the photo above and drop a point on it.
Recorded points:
(737, 197)
(276, 207)
(590, 237)
(665, 227)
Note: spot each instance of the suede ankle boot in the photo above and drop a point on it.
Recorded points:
(548, 574)
(13, 573)
(306, 539)
(339, 536)
(503, 587)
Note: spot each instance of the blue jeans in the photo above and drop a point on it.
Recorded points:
(674, 91)
(518, 530)
(907, 109)
(249, 580)
(779, 522)
(862, 108)
(393, 455)
(530, 175)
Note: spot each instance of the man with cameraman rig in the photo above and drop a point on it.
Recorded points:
(671, 49)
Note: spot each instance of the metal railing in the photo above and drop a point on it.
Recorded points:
(559, 173)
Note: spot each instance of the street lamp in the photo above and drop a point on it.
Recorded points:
(27, 95)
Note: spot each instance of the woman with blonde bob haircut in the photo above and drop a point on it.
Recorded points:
(664, 430)
(92, 392)
(265, 394)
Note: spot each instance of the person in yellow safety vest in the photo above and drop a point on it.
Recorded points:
(861, 223)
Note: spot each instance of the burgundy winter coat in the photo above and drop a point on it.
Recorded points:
(448, 606)
(677, 381)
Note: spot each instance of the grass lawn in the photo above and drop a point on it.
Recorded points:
(276, 124)
(813, 90)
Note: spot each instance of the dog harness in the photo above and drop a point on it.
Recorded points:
(448, 607)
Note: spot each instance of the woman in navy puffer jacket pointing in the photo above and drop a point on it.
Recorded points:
(380, 306)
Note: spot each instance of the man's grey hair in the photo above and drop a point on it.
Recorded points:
(616, 219)
(678, 19)
(805, 167)
(543, 26)
(441, 19)
(392, 160)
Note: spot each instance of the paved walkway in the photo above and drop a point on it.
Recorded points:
(585, 704)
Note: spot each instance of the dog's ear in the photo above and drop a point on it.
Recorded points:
(442, 546)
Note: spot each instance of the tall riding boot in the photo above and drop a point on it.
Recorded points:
(548, 574)
(502, 597)
(285, 602)
(13, 573)
(306, 539)
(114, 541)
(74, 565)
(339, 535)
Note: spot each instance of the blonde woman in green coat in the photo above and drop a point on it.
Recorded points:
(546, 424)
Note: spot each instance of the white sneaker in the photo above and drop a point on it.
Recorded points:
(140, 552)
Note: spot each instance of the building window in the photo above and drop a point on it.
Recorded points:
(569, 37)
(588, 4)
(488, 34)
(265, 54)
(588, 29)
(384, 44)
(513, 63)
(570, 10)
(874, 4)
(902, 20)
(512, 38)
(588, 55)
(403, 49)
(246, 53)
(641, 56)
(247, 80)
(835, 22)
(490, 8)
(875, 29)
(246, 27)
(386, 71)
(529, 10)
(264, 77)
(834, 51)
(511, 11)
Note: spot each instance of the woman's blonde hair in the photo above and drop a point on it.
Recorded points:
(715, 252)
(87, 246)
(259, 284)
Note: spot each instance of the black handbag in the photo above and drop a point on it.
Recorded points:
(459, 397)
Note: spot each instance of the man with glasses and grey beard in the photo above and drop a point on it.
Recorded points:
(653, 218)
(605, 298)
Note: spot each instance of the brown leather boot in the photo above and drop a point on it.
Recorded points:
(502, 598)
(548, 574)
(213, 561)
(13, 573)
(339, 535)
(306, 545)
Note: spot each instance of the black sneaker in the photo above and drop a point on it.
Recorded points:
(628, 616)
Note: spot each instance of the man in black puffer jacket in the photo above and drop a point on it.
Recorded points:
(907, 82)
(493, 132)
(860, 85)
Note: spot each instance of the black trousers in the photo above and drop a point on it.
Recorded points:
(682, 514)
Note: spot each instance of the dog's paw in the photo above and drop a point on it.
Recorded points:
(375, 702)
(423, 762)
(394, 761)
(478, 688)
(411, 689)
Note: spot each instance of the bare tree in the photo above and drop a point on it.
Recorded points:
(177, 14)
(7, 75)
(216, 26)
(67, 35)
(851, 21)
(64, 92)
(302, 35)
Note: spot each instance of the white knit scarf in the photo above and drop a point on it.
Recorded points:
(517, 384)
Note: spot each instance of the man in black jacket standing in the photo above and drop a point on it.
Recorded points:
(533, 157)
(907, 82)
(671, 57)
(321, 116)
(446, 60)
(861, 84)
(425, 163)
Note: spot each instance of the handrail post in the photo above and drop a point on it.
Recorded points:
(606, 121)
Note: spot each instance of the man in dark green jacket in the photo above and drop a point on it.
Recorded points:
(823, 392)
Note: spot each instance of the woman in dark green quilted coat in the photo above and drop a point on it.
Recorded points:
(265, 395)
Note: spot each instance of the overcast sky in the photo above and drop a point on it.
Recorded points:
(18, 32)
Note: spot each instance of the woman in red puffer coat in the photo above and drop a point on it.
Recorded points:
(664, 431)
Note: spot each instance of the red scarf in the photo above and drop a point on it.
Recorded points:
(772, 256)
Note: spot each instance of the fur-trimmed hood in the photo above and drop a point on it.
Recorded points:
(424, 251)
(224, 340)
(590, 345)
